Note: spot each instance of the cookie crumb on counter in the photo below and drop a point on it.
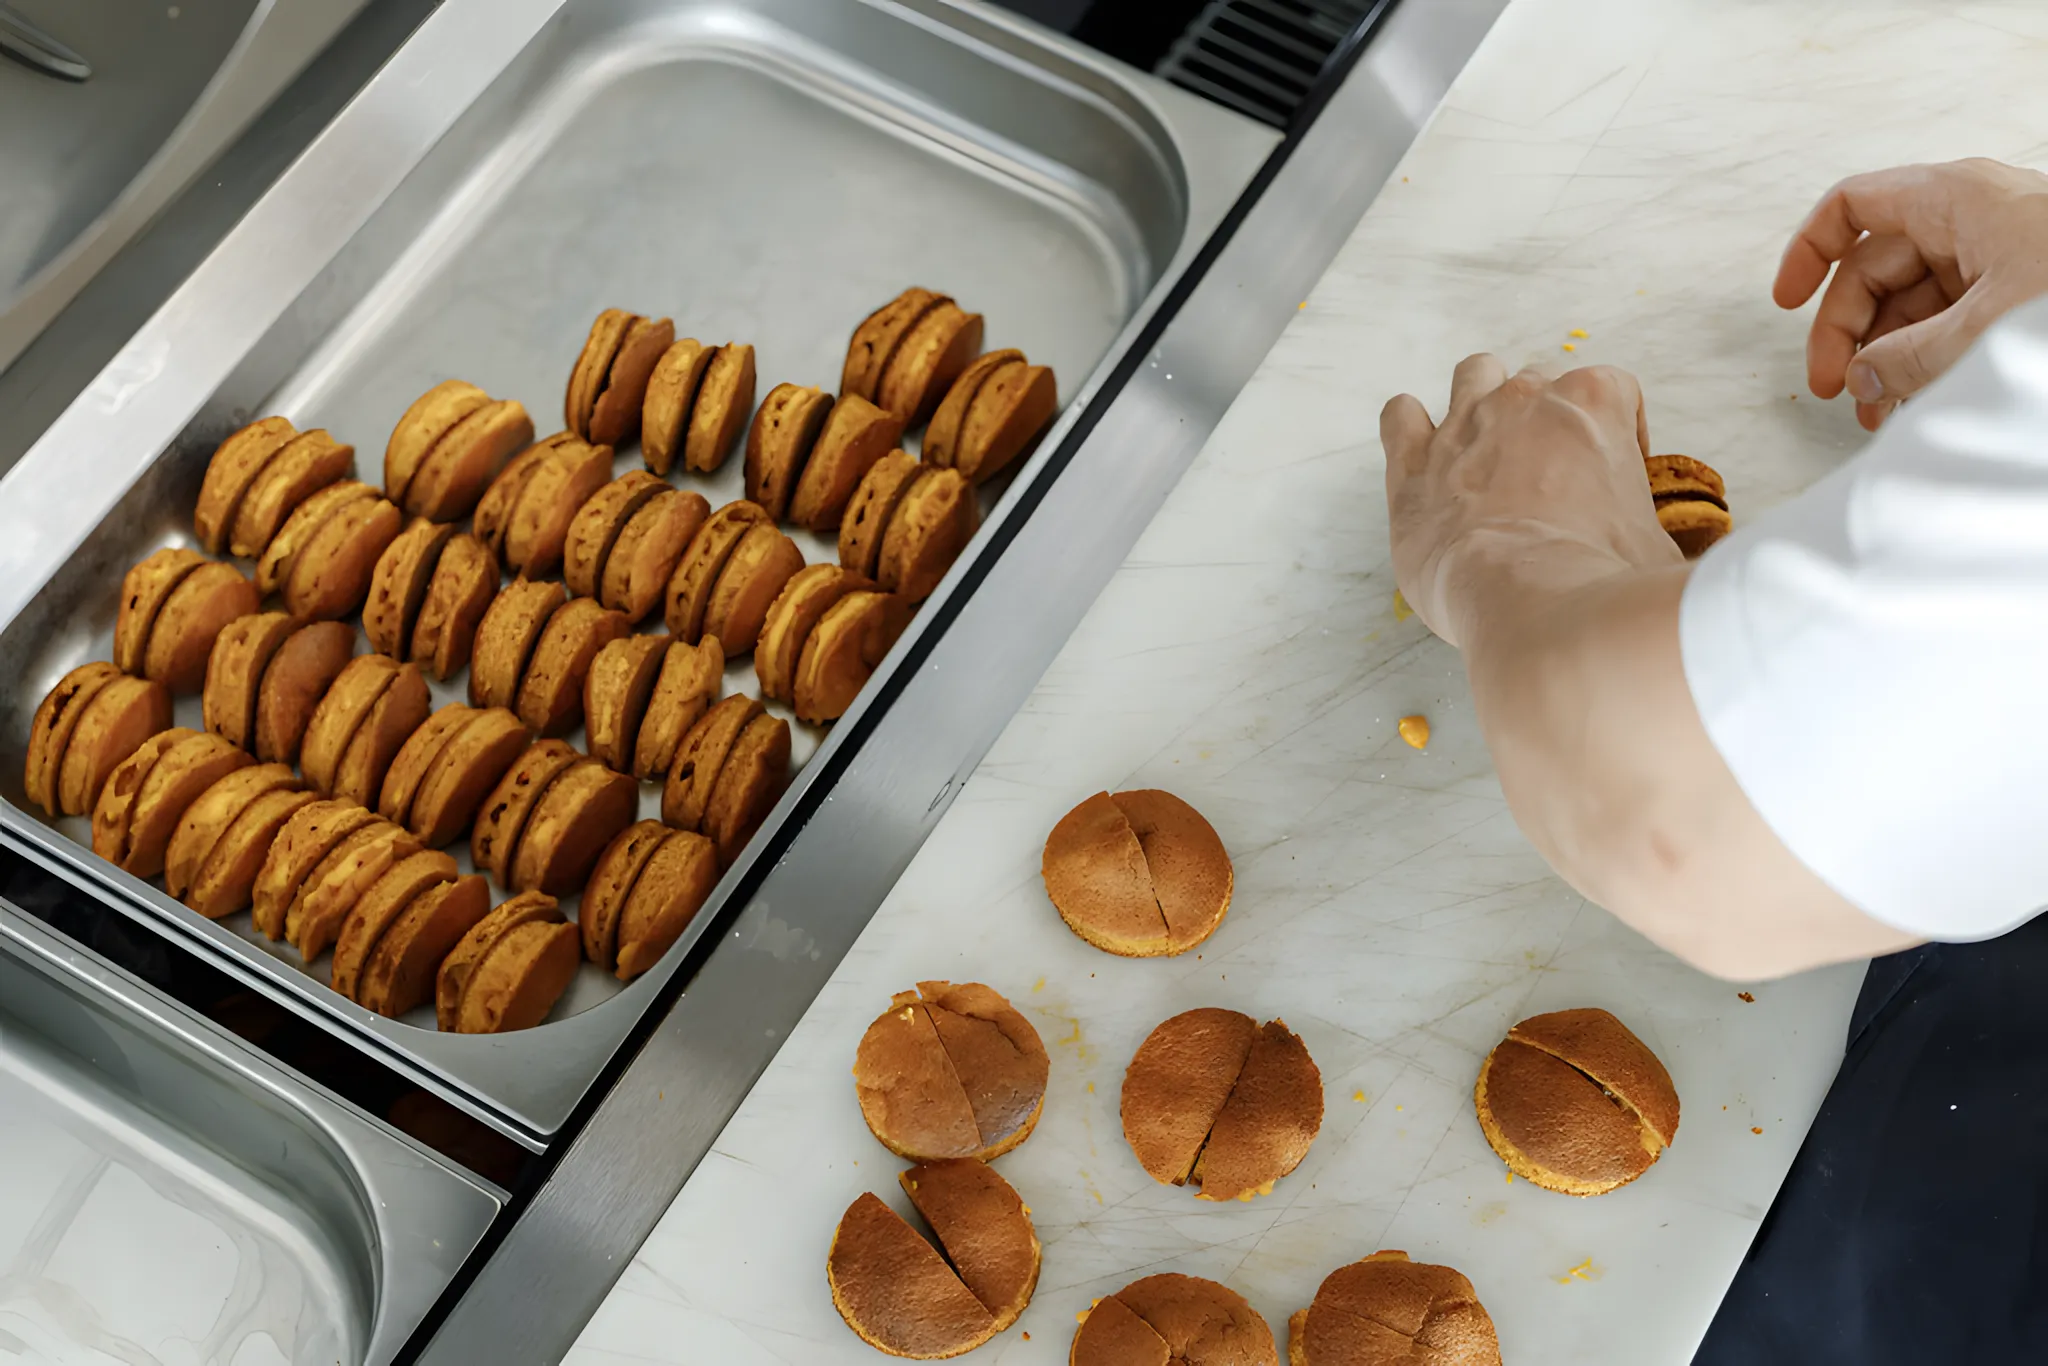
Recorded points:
(1415, 730)
(1568, 346)
(1756, 1129)
(1746, 998)
(1402, 611)
(1578, 332)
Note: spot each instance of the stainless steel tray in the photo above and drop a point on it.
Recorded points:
(163, 1188)
(764, 171)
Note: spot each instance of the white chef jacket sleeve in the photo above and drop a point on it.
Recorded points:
(1871, 658)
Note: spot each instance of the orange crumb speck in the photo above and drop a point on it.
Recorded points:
(1579, 332)
(1026, 1337)
(1746, 998)
(1303, 304)
(1569, 347)
(1415, 730)
(1038, 985)
(1402, 611)
(1755, 1129)
(1399, 1108)
(1091, 1088)
(1359, 1095)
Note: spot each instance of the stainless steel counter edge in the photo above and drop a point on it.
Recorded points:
(425, 1213)
(552, 1268)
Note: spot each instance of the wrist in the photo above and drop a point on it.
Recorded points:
(1505, 582)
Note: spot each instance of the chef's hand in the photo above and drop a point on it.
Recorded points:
(1929, 256)
(1529, 486)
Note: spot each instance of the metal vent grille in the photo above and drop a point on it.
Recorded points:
(1260, 57)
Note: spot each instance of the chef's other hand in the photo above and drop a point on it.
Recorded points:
(1925, 258)
(1529, 485)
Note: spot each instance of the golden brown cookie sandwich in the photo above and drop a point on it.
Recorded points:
(616, 690)
(933, 519)
(719, 410)
(446, 769)
(312, 833)
(304, 465)
(903, 1296)
(173, 606)
(233, 468)
(609, 383)
(754, 575)
(509, 969)
(551, 689)
(1182, 1320)
(906, 354)
(671, 396)
(399, 972)
(697, 573)
(1140, 874)
(595, 528)
(460, 591)
(50, 731)
(551, 815)
(728, 773)
(354, 708)
(991, 415)
(398, 586)
(856, 434)
(294, 681)
(1216, 1100)
(234, 673)
(323, 557)
(506, 637)
(792, 617)
(843, 651)
(689, 683)
(379, 908)
(1574, 1102)
(448, 447)
(149, 792)
(1691, 502)
(648, 548)
(494, 838)
(779, 443)
(333, 886)
(524, 516)
(951, 1070)
(84, 729)
(647, 886)
(1389, 1311)
(203, 833)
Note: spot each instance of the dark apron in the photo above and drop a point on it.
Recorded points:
(1913, 1226)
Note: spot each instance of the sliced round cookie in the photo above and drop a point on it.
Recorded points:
(144, 590)
(493, 516)
(724, 399)
(113, 816)
(1385, 1310)
(401, 968)
(595, 528)
(113, 723)
(227, 877)
(390, 723)
(355, 690)
(378, 908)
(876, 339)
(753, 577)
(506, 637)
(950, 1070)
(173, 783)
(463, 586)
(468, 767)
(193, 616)
(843, 650)
(930, 357)
(518, 983)
(792, 617)
(576, 817)
(612, 879)
(616, 690)
(615, 415)
(700, 758)
(233, 467)
(942, 437)
(234, 670)
(1215, 1100)
(548, 501)
(667, 895)
(648, 548)
(671, 394)
(274, 566)
(207, 820)
(301, 844)
(309, 462)
(468, 456)
(295, 680)
(338, 881)
(984, 1228)
(593, 366)
(854, 437)
(1007, 414)
(502, 819)
(897, 1293)
(690, 678)
(431, 417)
(409, 768)
(50, 730)
(1185, 1320)
(398, 586)
(784, 429)
(452, 980)
(1140, 874)
(551, 692)
(934, 519)
(330, 577)
(696, 574)
(749, 783)
(866, 522)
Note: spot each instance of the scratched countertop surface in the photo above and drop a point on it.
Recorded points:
(1604, 167)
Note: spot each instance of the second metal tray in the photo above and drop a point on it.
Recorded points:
(764, 172)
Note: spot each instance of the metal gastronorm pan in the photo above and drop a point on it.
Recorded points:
(761, 170)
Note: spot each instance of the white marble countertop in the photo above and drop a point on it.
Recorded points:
(1606, 166)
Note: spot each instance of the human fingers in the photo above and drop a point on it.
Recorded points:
(1613, 397)
(1882, 202)
(1906, 360)
(1872, 271)
(1405, 430)
(1475, 378)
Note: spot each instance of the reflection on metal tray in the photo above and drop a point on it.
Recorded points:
(764, 172)
(250, 1217)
